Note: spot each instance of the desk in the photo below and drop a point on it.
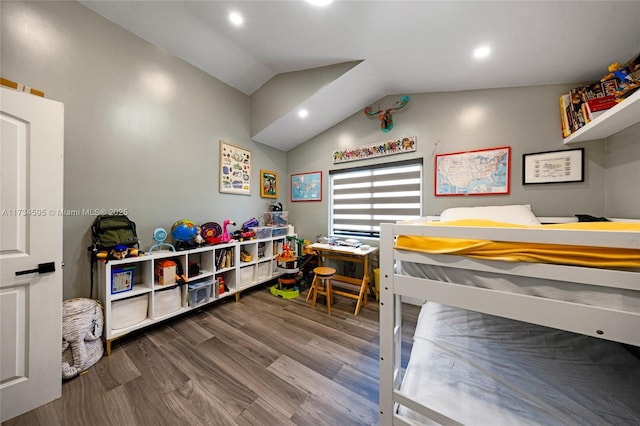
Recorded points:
(353, 255)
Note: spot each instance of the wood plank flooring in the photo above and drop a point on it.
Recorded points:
(261, 361)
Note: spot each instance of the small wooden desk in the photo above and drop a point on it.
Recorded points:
(353, 255)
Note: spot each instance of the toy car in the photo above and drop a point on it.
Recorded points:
(243, 234)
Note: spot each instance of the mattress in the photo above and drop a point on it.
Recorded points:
(613, 298)
(562, 254)
(480, 369)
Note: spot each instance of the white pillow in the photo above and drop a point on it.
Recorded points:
(516, 214)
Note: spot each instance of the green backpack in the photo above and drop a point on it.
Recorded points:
(107, 232)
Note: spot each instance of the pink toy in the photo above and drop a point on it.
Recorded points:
(225, 233)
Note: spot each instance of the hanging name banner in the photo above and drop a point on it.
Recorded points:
(381, 149)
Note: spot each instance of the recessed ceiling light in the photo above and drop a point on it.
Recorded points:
(320, 2)
(303, 113)
(481, 52)
(236, 19)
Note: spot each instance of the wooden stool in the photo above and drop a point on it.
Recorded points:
(322, 285)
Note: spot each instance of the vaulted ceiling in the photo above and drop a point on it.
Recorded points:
(395, 47)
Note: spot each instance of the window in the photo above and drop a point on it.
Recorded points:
(364, 197)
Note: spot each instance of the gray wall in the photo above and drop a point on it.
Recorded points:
(142, 128)
(526, 119)
(622, 174)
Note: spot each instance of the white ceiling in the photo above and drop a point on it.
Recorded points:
(406, 46)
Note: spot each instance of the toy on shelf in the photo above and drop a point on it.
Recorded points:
(183, 232)
(225, 231)
(118, 252)
(211, 232)
(625, 77)
(251, 223)
(198, 239)
(159, 234)
(243, 234)
(245, 256)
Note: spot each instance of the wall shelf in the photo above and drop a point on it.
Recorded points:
(614, 120)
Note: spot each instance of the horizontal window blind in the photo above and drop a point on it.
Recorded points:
(364, 197)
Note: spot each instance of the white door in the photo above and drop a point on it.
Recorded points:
(31, 184)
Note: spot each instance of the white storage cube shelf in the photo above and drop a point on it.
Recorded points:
(146, 301)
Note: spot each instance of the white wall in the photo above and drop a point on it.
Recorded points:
(142, 128)
(527, 119)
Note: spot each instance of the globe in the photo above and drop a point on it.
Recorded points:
(183, 230)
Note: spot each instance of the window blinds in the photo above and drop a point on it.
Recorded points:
(364, 197)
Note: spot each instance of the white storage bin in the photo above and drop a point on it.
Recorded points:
(129, 312)
(264, 270)
(167, 301)
(246, 275)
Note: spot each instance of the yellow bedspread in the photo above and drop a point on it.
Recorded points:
(529, 252)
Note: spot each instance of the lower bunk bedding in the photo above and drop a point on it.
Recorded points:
(514, 364)
(479, 369)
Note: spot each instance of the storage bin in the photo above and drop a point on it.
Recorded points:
(262, 232)
(276, 218)
(246, 275)
(199, 292)
(264, 270)
(167, 301)
(129, 312)
(280, 232)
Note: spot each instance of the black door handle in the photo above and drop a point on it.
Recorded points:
(41, 269)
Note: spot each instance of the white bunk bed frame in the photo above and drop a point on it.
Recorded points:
(619, 326)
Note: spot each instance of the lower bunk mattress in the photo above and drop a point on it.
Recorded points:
(612, 298)
(480, 369)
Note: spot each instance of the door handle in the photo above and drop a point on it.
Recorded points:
(41, 269)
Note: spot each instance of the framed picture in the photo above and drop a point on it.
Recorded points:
(553, 166)
(479, 172)
(268, 184)
(306, 186)
(235, 169)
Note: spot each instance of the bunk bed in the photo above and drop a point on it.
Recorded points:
(513, 338)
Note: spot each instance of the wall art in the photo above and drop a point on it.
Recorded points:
(268, 184)
(380, 149)
(480, 172)
(235, 169)
(306, 186)
(553, 166)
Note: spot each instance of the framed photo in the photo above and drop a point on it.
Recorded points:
(268, 184)
(235, 169)
(553, 166)
(306, 186)
(479, 172)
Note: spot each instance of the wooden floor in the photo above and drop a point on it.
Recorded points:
(261, 361)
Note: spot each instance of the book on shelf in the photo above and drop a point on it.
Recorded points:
(602, 103)
(577, 113)
(564, 119)
(599, 89)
